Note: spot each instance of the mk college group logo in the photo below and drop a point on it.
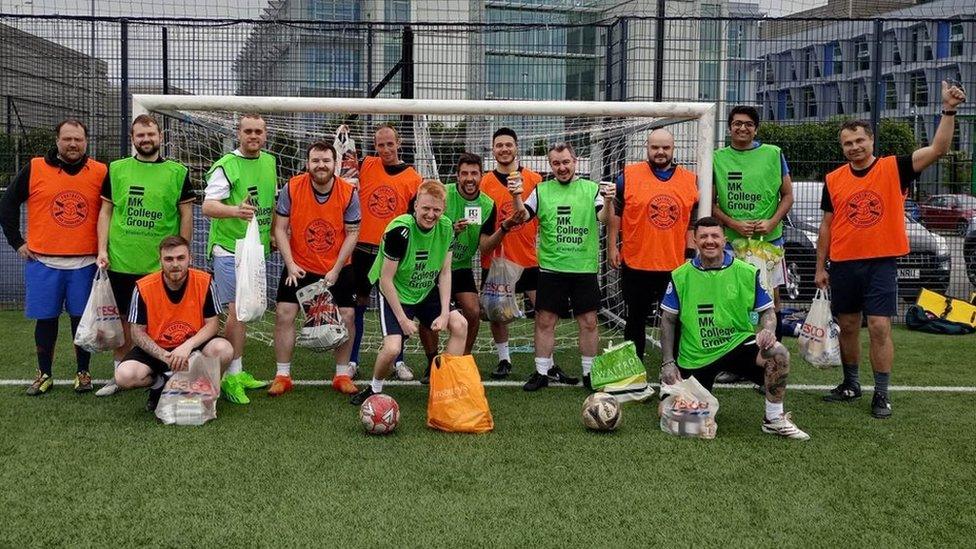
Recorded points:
(712, 336)
(566, 233)
(137, 215)
(738, 198)
(421, 276)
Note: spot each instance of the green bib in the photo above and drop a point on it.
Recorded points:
(569, 233)
(146, 209)
(747, 185)
(715, 311)
(417, 272)
(466, 242)
(254, 177)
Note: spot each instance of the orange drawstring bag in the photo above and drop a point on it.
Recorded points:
(457, 402)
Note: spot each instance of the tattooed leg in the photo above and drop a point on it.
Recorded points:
(776, 362)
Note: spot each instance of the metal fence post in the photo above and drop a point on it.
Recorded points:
(877, 83)
(124, 88)
(406, 84)
(659, 52)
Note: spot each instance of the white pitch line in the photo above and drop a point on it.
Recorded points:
(799, 387)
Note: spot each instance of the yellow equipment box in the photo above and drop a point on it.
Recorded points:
(948, 308)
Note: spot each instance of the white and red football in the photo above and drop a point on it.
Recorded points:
(380, 414)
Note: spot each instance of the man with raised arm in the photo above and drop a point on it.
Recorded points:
(863, 233)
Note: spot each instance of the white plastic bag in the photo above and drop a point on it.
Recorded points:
(498, 300)
(190, 397)
(689, 410)
(820, 335)
(345, 147)
(100, 328)
(251, 298)
(323, 328)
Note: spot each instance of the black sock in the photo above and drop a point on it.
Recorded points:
(82, 356)
(881, 382)
(430, 359)
(45, 336)
(779, 326)
(850, 374)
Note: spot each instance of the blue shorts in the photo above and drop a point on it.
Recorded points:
(868, 286)
(426, 312)
(225, 279)
(50, 291)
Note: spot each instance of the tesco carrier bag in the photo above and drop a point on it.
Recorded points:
(100, 328)
(688, 410)
(819, 339)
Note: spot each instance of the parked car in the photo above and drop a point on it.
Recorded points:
(911, 208)
(969, 251)
(948, 212)
(926, 266)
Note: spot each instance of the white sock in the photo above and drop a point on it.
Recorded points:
(284, 368)
(116, 363)
(542, 365)
(236, 366)
(587, 364)
(502, 349)
(377, 385)
(343, 370)
(774, 410)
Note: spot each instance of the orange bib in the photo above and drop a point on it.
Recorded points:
(170, 324)
(317, 230)
(519, 245)
(655, 219)
(383, 197)
(62, 209)
(869, 212)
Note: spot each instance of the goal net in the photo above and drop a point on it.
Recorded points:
(606, 136)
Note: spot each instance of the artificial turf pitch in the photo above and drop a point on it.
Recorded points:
(298, 470)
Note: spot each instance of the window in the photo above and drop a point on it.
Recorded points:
(334, 10)
(866, 96)
(919, 91)
(916, 44)
(790, 108)
(838, 99)
(334, 65)
(838, 59)
(812, 69)
(890, 93)
(862, 55)
(809, 103)
(955, 39)
(768, 67)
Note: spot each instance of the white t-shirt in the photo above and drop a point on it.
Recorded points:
(218, 188)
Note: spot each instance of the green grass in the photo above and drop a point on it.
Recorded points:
(299, 471)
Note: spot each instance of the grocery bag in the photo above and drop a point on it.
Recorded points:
(457, 402)
(345, 147)
(190, 396)
(688, 410)
(819, 339)
(322, 328)
(251, 298)
(100, 328)
(498, 299)
(619, 372)
(761, 254)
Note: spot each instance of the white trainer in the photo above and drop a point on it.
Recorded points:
(108, 389)
(403, 372)
(784, 427)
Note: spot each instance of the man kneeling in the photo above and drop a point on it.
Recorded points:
(715, 297)
(173, 314)
(414, 254)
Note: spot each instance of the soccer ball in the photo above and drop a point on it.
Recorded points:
(379, 414)
(601, 412)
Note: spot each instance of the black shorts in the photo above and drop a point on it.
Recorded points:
(123, 284)
(740, 360)
(462, 281)
(868, 286)
(343, 292)
(157, 366)
(362, 262)
(559, 292)
(425, 311)
(528, 282)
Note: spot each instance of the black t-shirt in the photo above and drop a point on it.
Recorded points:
(186, 193)
(140, 315)
(906, 175)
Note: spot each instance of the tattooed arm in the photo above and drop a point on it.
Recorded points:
(142, 340)
(669, 368)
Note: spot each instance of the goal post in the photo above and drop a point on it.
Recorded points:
(198, 129)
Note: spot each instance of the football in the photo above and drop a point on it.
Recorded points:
(601, 412)
(380, 414)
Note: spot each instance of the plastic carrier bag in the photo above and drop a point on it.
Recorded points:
(345, 147)
(190, 397)
(251, 299)
(819, 335)
(619, 372)
(498, 300)
(688, 410)
(762, 255)
(322, 328)
(100, 328)
(457, 402)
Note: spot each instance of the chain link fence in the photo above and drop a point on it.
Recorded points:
(803, 73)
